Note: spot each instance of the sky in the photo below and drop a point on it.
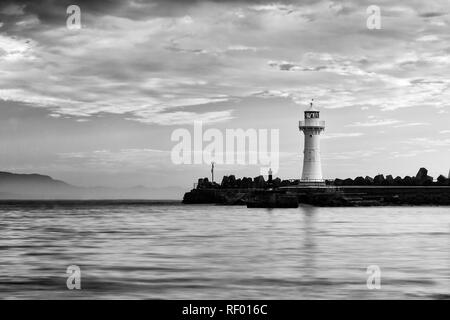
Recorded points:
(98, 105)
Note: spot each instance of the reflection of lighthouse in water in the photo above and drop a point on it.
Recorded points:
(312, 127)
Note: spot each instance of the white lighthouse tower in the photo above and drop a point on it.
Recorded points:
(312, 127)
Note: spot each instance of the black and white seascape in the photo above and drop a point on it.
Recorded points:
(235, 149)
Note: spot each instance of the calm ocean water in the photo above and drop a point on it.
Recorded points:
(172, 251)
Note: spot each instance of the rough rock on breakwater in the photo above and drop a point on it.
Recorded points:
(361, 191)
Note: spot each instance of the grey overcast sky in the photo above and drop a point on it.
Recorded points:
(97, 106)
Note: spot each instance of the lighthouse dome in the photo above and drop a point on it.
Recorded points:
(311, 107)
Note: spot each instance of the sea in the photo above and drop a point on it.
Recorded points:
(167, 250)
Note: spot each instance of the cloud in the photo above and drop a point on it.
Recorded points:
(145, 60)
(375, 123)
(432, 14)
(427, 38)
(12, 49)
(123, 160)
(182, 117)
(350, 155)
(290, 66)
(412, 124)
(428, 142)
(341, 135)
(411, 154)
(13, 10)
(325, 62)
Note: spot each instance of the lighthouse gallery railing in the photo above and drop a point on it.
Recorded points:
(312, 124)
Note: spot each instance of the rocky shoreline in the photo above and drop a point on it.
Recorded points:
(378, 191)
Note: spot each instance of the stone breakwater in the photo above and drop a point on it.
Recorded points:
(377, 191)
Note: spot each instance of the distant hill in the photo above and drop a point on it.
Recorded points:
(36, 186)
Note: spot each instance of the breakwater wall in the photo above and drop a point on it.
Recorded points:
(418, 190)
(341, 196)
(326, 196)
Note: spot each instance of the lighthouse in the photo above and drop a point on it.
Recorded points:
(312, 127)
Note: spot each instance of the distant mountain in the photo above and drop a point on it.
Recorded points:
(36, 186)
